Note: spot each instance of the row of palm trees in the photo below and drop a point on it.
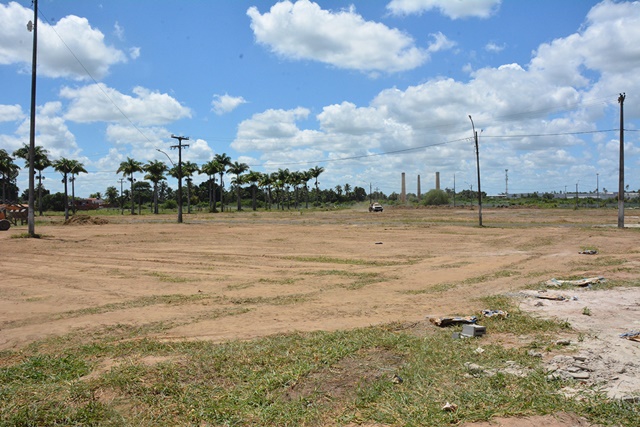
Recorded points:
(276, 185)
(215, 170)
(69, 168)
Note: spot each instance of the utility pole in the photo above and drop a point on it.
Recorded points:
(31, 220)
(121, 180)
(370, 195)
(506, 183)
(454, 189)
(577, 194)
(598, 185)
(621, 176)
(475, 136)
(180, 146)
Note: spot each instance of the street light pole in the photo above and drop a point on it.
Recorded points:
(31, 220)
(475, 137)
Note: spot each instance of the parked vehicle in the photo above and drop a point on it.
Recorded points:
(375, 207)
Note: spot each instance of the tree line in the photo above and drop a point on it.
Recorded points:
(280, 189)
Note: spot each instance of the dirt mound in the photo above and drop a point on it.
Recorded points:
(85, 220)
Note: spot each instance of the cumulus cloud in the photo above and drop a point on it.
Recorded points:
(454, 9)
(222, 104)
(10, 113)
(54, 58)
(273, 130)
(440, 42)
(304, 31)
(52, 131)
(99, 102)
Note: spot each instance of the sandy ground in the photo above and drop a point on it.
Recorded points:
(246, 275)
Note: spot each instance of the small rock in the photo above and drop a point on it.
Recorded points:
(563, 342)
(534, 353)
(580, 375)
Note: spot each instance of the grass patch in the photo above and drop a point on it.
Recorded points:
(170, 279)
(27, 236)
(317, 378)
(349, 261)
(358, 280)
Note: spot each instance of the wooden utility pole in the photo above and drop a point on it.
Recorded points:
(121, 181)
(621, 175)
(31, 220)
(180, 146)
(475, 136)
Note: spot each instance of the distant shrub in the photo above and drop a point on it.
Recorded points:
(436, 198)
(170, 204)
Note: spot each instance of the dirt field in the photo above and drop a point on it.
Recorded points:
(275, 272)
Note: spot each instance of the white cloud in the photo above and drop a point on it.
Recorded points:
(52, 132)
(493, 47)
(273, 130)
(303, 30)
(118, 31)
(98, 102)
(454, 9)
(134, 52)
(225, 103)
(54, 58)
(440, 42)
(10, 113)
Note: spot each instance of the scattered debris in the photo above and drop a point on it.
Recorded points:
(556, 297)
(446, 321)
(397, 379)
(378, 243)
(589, 252)
(495, 313)
(633, 335)
(473, 331)
(450, 407)
(580, 282)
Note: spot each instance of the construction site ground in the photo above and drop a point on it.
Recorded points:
(337, 269)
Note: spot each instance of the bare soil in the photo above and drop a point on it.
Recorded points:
(243, 275)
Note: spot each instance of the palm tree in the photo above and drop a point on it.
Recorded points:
(9, 171)
(315, 173)
(295, 179)
(111, 193)
(155, 170)
(224, 161)
(238, 169)
(306, 177)
(41, 162)
(129, 167)
(284, 176)
(253, 178)
(347, 190)
(65, 166)
(76, 167)
(266, 181)
(188, 169)
(211, 169)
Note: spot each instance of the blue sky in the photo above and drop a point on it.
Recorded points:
(365, 89)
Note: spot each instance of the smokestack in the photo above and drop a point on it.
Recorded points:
(418, 187)
(437, 180)
(403, 193)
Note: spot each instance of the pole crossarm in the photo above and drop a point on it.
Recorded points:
(179, 147)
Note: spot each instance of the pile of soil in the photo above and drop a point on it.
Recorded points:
(85, 220)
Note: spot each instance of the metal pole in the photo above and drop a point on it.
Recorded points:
(31, 221)
(475, 136)
(621, 176)
(180, 146)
